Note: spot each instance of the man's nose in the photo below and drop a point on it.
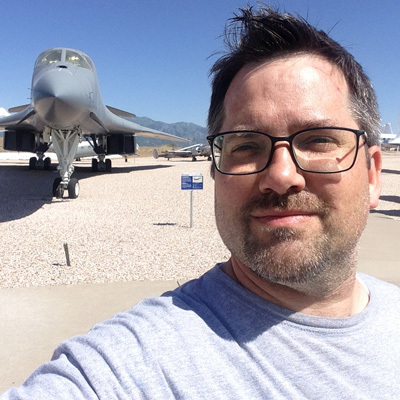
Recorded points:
(282, 174)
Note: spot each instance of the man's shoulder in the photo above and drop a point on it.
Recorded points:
(155, 321)
(193, 295)
(374, 283)
(384, 296)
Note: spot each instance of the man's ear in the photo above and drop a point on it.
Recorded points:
(374, 175)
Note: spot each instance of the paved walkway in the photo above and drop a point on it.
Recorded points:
(34, 320)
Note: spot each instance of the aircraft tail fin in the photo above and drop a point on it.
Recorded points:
(387, 129)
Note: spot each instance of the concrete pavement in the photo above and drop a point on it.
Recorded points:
(34, 320)
(380, 248)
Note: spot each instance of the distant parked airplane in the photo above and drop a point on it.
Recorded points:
(190, 151)
(67, 106)
(389, 140)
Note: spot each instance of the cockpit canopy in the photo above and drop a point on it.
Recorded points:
(64, 55)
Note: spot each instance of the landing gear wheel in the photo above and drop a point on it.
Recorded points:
(32, 163)
(58, 190)
(73, 188)
(95, 165)
(47, 163)
(108, 165)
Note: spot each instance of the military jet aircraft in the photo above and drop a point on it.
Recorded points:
(190, 151)
(66, 106)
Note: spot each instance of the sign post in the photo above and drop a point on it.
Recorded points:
(192, 182)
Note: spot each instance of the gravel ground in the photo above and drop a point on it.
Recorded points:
(132, 224)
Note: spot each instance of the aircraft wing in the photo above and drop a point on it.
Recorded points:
(18, 119)
(121, 113)
(18, 108)
(388, 136)
(147, 132)
(190, 148)
(116, 125)
(178, 153)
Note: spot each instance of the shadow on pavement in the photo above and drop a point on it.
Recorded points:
(23, 191)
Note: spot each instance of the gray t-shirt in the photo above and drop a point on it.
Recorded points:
(213, 339)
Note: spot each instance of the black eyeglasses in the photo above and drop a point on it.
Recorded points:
(323, 150)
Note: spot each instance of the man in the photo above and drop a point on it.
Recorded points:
(294, 134)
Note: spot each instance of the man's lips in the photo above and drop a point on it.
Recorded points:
(282, 218)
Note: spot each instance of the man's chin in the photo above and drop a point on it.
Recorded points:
(287, 271)
(313, 270)
(279, 243)
(289, 257)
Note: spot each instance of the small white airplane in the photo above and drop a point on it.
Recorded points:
(190, 151)
(389, 140)
(66, 107)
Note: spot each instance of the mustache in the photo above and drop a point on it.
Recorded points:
(303, 201)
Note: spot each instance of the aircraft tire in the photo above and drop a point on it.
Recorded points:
(32, 163)
(47, 163)
(95, 165)
(73, 188)
(58, 190)
(108, 165)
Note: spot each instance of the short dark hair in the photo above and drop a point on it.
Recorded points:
(265, 34)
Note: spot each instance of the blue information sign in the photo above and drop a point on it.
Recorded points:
(192, 182)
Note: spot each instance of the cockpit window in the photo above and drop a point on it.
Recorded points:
(49, 57)
(76, 59)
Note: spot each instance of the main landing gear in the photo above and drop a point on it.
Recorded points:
(101, 164)
(40, 163)
(99, 145)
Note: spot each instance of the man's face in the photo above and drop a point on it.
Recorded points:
(290, 226)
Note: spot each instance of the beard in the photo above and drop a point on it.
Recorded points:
(310, 262)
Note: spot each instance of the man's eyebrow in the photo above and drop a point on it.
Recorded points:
(294, 126)
(246, 128)
(311, 123)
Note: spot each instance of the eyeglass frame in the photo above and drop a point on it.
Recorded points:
(289, 139)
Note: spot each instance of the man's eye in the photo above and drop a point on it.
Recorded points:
(319, 139)
(320, 143)
(325, 139)
(244, 147)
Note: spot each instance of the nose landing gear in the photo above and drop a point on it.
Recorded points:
(72, 188)
(65, 144)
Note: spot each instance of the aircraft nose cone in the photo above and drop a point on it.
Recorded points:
(58, 98)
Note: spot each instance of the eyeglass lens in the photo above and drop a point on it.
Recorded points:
(317, 150)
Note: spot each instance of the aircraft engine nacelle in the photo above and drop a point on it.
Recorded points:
(197, 150)
(20, 141)
(121, 144)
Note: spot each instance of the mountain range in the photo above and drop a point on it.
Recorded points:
(194, 133)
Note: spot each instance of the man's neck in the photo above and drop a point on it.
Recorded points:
(348, 299)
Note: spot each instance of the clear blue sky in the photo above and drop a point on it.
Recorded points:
(153, 56)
